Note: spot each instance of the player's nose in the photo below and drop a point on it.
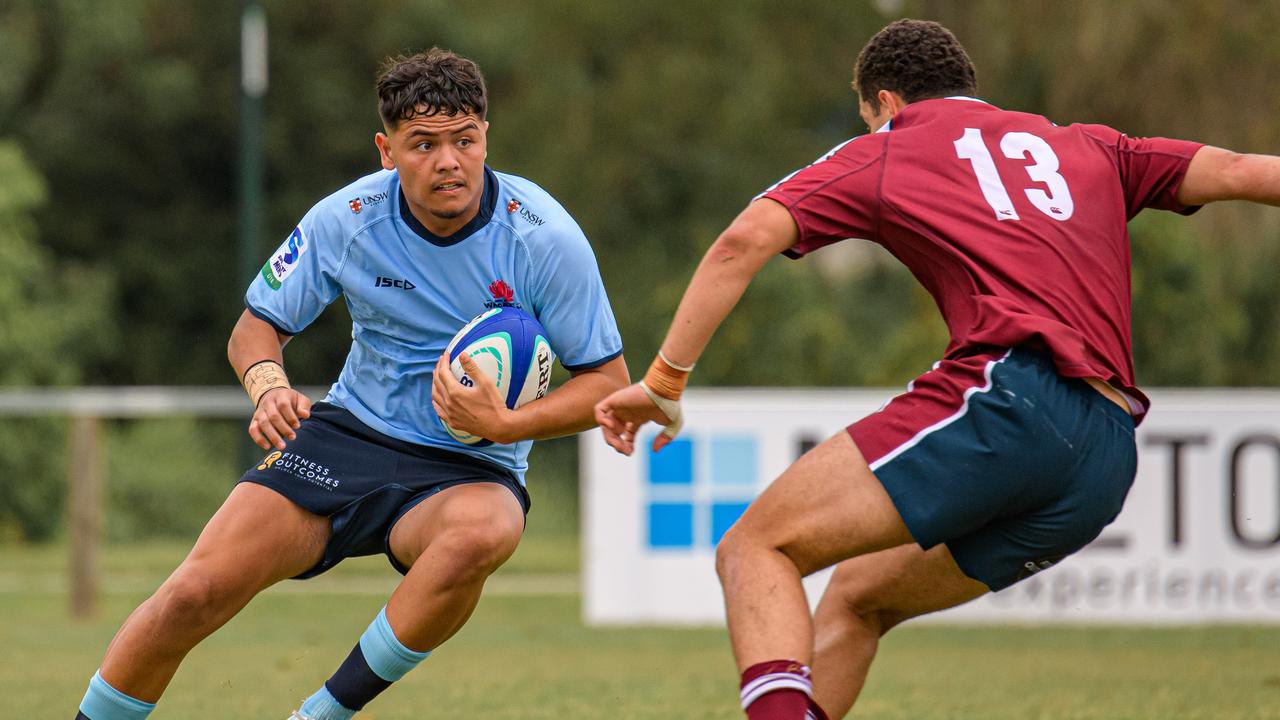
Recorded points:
(447, 158)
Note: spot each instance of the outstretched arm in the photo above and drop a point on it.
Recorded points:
(761, 231)
(1216, 174)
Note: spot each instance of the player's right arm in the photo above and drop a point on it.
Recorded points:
(256, 352)
(1216, 174)
(298, 280)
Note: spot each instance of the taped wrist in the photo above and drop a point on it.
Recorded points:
(262, 376)
(665, 379)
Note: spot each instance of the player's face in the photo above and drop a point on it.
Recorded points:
(440, 159)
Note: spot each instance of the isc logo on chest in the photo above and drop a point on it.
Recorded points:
(390, 282)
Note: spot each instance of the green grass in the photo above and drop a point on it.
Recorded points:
(525, 654)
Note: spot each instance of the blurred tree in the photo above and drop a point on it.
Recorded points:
(654, 124)
(51, 317)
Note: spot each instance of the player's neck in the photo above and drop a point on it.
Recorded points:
(444, 227)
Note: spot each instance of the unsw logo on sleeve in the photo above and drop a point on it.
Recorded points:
(285, 259)
(515, 206)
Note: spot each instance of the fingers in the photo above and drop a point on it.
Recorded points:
(266, 430)
(288, 417)
(438, 395)
(473, 371)
(256, 435)
(606, 419)
(661, 440)
(276, 418)
(443, 374)
(618, 441)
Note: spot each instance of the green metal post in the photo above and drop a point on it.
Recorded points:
(253, 86)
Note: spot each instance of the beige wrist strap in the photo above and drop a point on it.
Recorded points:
(262, 376)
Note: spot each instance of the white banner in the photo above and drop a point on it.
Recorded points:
(1198, 540)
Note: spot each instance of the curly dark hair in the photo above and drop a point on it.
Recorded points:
(429, 83)
(918, 59)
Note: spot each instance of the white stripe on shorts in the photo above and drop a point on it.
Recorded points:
(964, 408)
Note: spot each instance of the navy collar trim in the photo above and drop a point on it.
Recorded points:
(488, 202)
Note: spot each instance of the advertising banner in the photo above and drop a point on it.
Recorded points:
(1197, 542)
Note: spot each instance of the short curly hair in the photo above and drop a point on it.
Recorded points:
(918, 59)
(429, 83)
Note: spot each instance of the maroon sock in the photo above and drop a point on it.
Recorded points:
(776, 690)
(816, 711)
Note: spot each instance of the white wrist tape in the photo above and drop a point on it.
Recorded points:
(670, 408)
(673, 366)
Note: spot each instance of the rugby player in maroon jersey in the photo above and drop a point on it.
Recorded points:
(1017, 448)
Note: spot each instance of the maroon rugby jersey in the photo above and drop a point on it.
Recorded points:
(1015, 226)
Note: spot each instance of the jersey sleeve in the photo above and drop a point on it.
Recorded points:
(569, 300)
(834, 199)
(301, 277)
(1151, 171)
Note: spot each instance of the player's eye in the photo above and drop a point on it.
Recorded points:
(465, 142)
(424, 146)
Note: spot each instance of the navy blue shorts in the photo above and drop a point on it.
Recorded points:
(1009, 464)
(364, 481)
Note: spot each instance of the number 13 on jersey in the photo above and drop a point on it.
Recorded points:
(1056, 202)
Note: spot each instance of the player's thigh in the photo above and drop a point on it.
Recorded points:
(486, 516)
(890, 586)
(257, 538)
(826, 507)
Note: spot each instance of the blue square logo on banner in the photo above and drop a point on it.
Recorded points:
(673, 465)
(697, 488)
(671, 525)
(723, 516)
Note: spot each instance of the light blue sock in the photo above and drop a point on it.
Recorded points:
(322, 706)
(386, 655)
(378, 660)
(103, 702)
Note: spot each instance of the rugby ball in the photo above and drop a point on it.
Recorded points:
(512, 350)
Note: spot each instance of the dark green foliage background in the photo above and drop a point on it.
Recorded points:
(654, 123)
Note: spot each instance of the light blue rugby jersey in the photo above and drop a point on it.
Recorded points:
(409, 291)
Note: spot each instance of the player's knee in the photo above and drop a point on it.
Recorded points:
(473, 549)
(861, 596)
(189, 600)
(736, 545)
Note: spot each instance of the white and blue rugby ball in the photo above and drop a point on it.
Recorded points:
(511, 348)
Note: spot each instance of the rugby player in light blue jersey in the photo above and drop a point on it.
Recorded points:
(417, 250)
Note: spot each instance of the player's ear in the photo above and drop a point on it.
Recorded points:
(384, 151)
(890, 101)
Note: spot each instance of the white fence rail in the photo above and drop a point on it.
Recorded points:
(86, 407)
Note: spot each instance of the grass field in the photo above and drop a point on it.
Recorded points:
(525, 654)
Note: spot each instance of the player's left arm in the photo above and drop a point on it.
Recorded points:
(1216, 174)
(566, 410)
(764, 229)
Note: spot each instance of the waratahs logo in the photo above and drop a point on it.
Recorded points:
(285, 259)
(503, 295)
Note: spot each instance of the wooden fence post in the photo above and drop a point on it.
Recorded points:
(85, 504)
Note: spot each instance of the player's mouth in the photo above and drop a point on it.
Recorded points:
(449, 188)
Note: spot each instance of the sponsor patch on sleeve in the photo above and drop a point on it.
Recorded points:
(285, 259)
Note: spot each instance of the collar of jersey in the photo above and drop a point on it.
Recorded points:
(488, 201)
(888, 126)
